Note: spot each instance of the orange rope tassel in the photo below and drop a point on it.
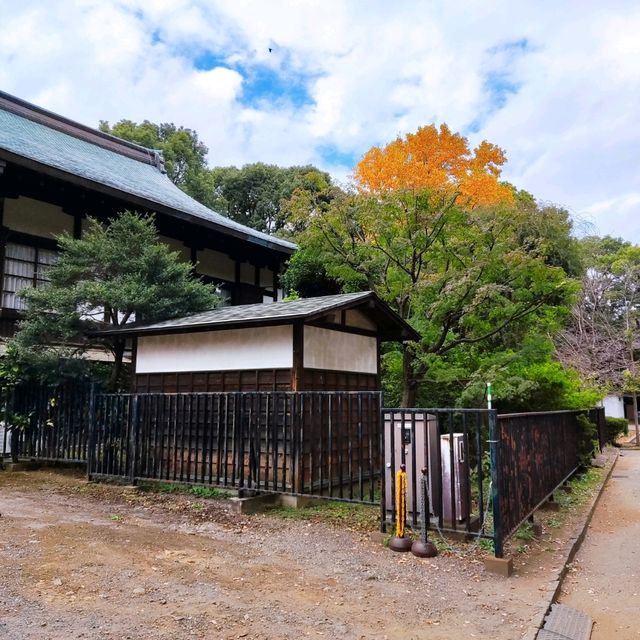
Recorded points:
(401, 502)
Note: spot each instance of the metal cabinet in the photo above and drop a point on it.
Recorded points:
(414, 438)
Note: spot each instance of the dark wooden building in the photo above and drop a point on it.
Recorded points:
(330, 343)
(55, 172)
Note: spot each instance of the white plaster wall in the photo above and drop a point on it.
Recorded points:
(252, 348)
(35, 217)
(339, 351)
(177, 245)
(613, 406)
(355, 318)
(216, 264)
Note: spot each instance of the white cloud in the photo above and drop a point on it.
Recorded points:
(373, 71)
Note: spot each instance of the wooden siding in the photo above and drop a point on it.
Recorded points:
(325, 380)
(252, 380)
(214, 381)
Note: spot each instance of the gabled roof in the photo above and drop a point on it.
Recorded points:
(30, 134)
(391, 325)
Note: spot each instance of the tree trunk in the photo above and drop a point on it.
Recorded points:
(116, 371)
(409, 384)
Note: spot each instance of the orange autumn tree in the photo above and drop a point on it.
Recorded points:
(436, 160)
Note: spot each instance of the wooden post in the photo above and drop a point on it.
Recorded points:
(133, 439)
(297, 370)
(91, 443)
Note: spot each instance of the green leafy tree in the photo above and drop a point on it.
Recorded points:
(254, 195)
(184, 154)
(463, 278)
(114, 275)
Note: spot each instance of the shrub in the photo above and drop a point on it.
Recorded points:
(615, 427)
(587, 440)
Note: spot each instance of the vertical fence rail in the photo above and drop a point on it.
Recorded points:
(46, 423)
(494, 448)
(538, 452)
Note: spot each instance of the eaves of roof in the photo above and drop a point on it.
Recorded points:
(243, 316)
(32, 137)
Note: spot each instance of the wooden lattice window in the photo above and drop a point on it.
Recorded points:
(25, 267)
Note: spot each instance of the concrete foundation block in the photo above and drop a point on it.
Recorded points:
(254, 504)
(297, 502)
(501, 566)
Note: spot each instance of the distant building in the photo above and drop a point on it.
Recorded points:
(618, 406)
(55, 172)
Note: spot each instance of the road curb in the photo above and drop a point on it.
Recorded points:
(570, 550)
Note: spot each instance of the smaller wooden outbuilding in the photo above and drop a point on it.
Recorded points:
(329, 343)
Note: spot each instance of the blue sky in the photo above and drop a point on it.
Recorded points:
(321, 82)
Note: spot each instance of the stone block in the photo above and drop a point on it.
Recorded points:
(297, 502)
(501, 566)
(255, 504)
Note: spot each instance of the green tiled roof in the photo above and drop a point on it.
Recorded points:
(277, 313)
(76, 155)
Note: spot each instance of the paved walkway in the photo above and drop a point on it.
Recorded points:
(605, 582)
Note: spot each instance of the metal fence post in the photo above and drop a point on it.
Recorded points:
(381, 463)
(495, 487)
(133, 439)
(91, 440)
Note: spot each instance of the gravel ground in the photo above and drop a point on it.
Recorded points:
(103, 562)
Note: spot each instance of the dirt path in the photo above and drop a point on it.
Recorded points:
(605, 581)
(77, 564)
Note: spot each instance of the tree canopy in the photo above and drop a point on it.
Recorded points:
(184, 154)
(254, 195)
(113, 275)
(478, 273)
(600, 339)
(438, 160)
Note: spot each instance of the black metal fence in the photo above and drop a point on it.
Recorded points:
(49, 423)
(487, 473)
(453, 445)
(597, 416)
(309, 443)
(537, 452)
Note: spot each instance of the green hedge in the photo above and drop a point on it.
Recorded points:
(615, 427)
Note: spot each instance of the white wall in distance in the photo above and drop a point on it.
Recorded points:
(252, 348)
(339, 351)
(613, 406)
